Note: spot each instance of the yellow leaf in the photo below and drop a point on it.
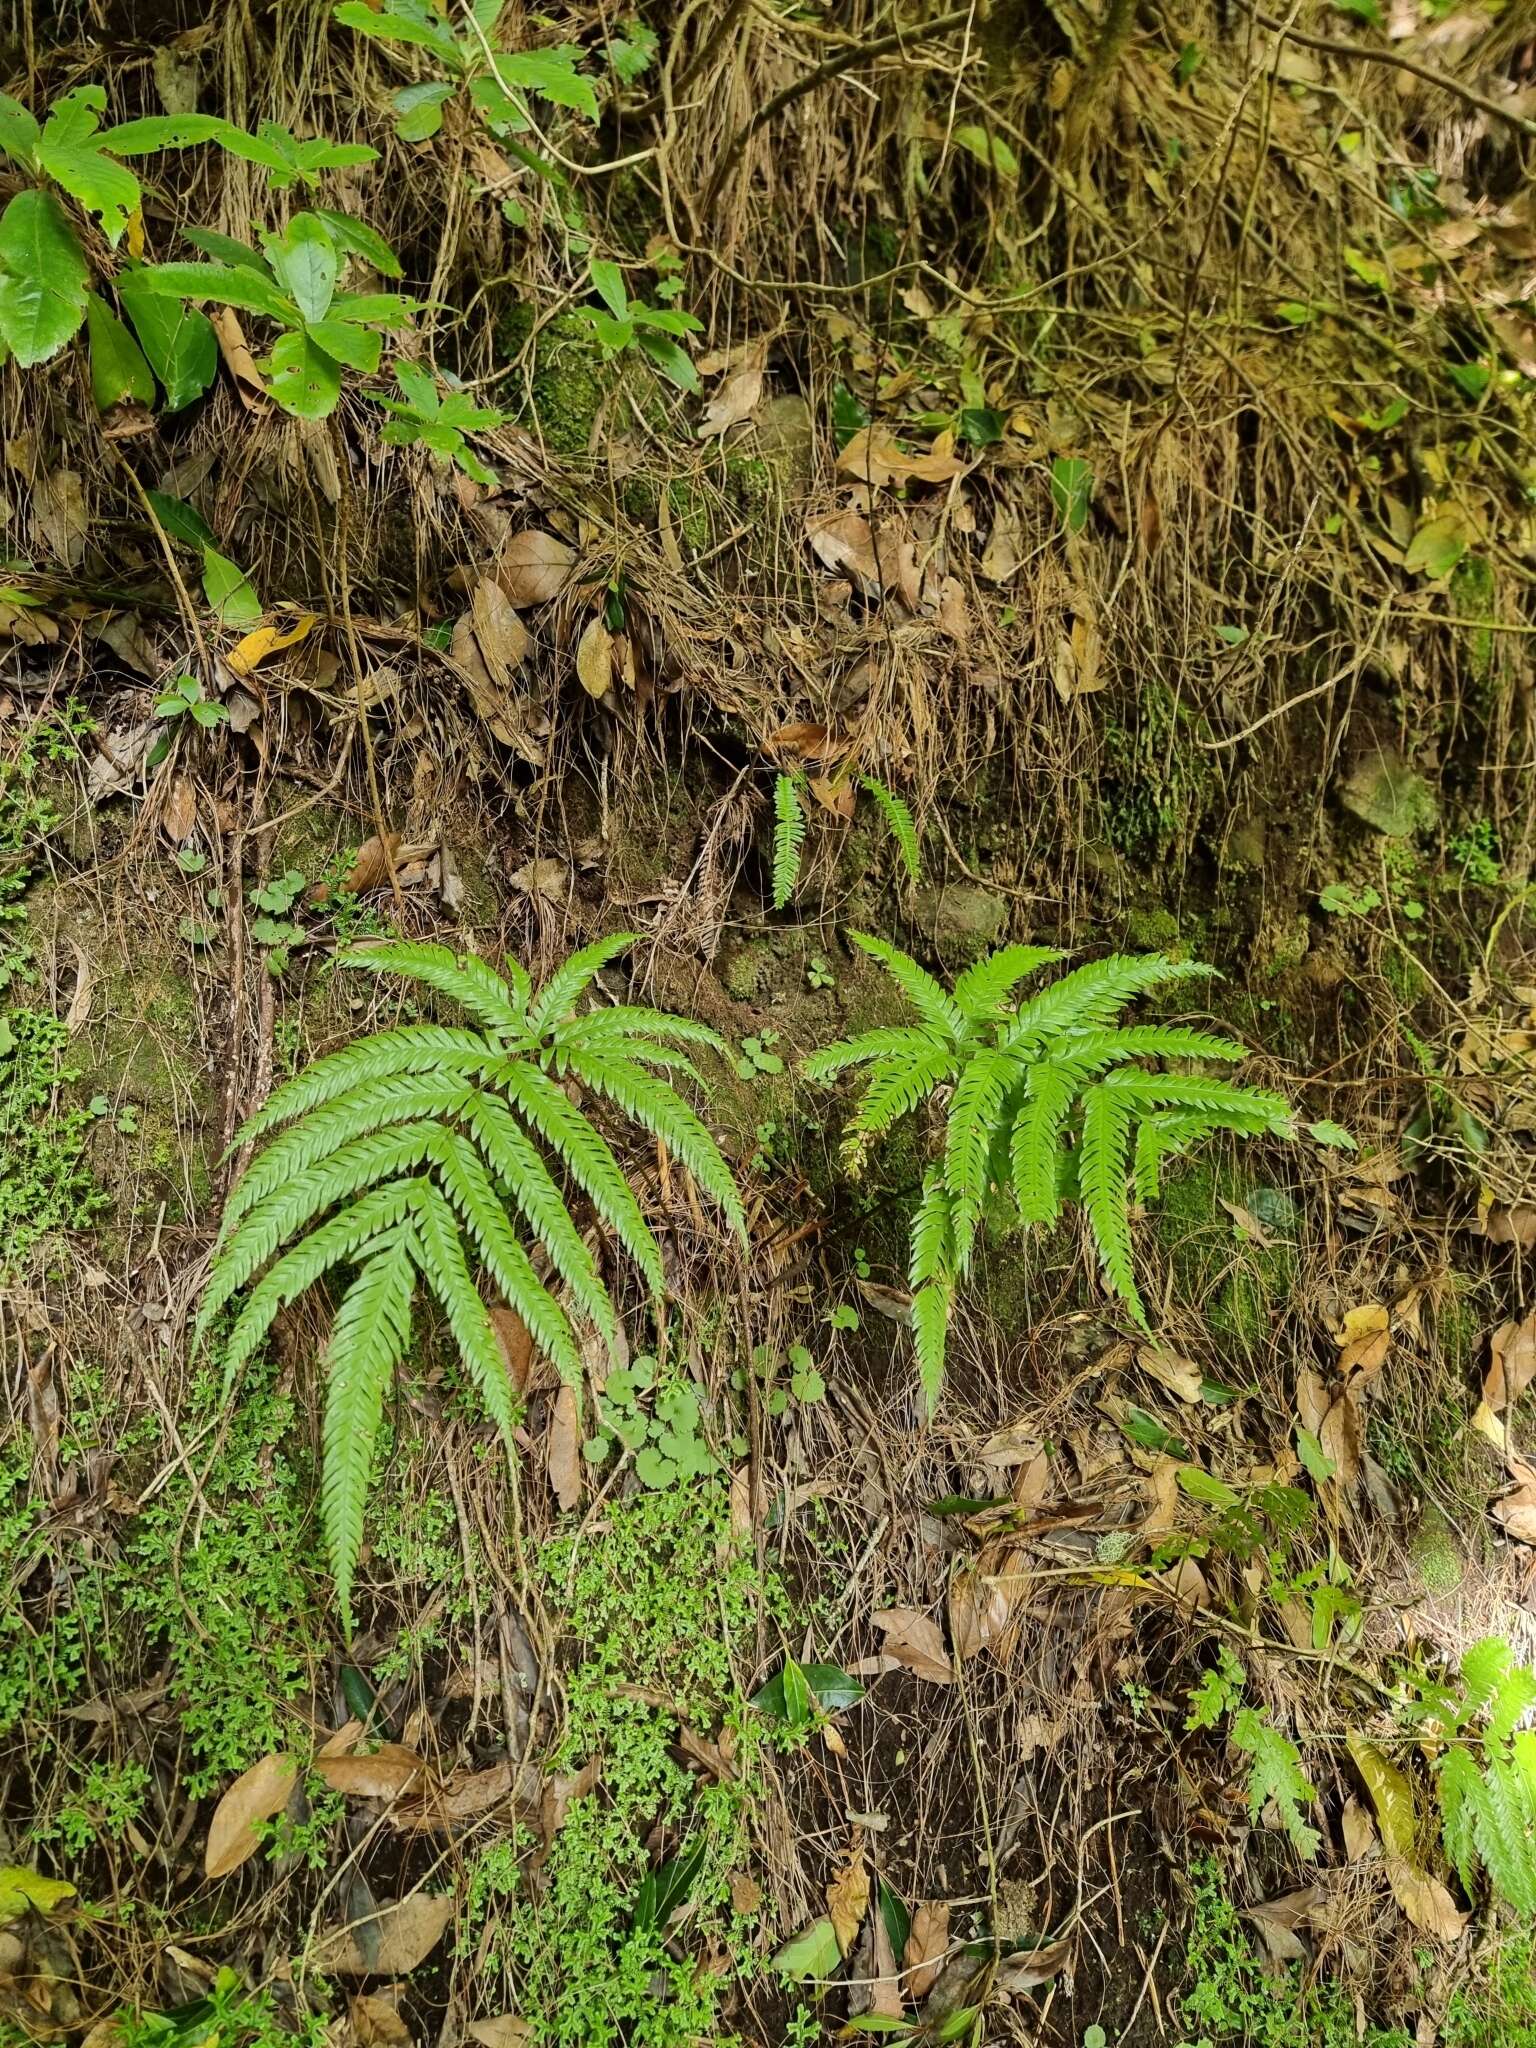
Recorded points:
(848, 1898)
(21, 1888)
(136, 234)
(1391, 1795)
(594, 658)
(255, 647)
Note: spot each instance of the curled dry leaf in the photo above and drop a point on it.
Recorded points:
(255, 1796)
(1180, 1375)
(180, 813)
(848, 1898)
(739, 391)
(238, 360)
(1363, 1337)
(875, 457)
(389, 1943)
(248, 654)
(1029, 1968)
(1511, 1363)
(913, 1639)
(546, 877)
(1516, 1510)
(59, 518)
(468, 1794)
(534, 567)
(594, 657)
(927, 1945)
(506, 2031)
(1279, 1922)
(376, 2023)
(499, 633)
(1333, 1416)
(383, 1773)
(563, 1454)
(1515, 1225)
(848, 544)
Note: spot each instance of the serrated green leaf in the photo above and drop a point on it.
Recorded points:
(43, 274)
(550, 73)
(70, 151)
(19, 132)
(419, 109)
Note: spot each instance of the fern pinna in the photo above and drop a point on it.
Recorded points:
(1048, 1101)
(422, 1155)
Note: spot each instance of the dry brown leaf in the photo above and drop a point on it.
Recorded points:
(1000, 558)
(499, 633)
(1363, 1338)
(1018, 1443)
(1360, 1836)
(1333, 1416)
(1180, 1375)
(503, 713)
(506, 2031)
(1515, 1225)
(545, 877)
(1425, 1900)
(180, 813)
(875, 457)
(848, 1897)
(848, 544)
(238, 360)
(390, 1943)
(255, 1796)
(739, 391)
(913, 1639)
(534, 567)
(1278, 1920)
(468, 1794)
(80, 1001)
(1516, 1511)
(1032, 1967)
(563, 1454)
(1077, 663)
(1511, 1363)
(562, 1791)
(376, 2023)
(372, 864)
(59, 518)
(927, 1944)
(982, 1603)
(594, 657)
(382, 1774)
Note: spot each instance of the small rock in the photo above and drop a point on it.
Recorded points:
(786, 437)
(961, 917)
(1386, 794)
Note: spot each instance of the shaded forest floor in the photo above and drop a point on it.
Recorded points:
(1109, 433)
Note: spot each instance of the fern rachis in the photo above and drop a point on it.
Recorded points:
(418, 1157)
(1049, 1096)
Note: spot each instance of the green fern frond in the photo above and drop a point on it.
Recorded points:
(788, 838)
(930, 1273)
(973, 1118)
(376, 1105)
(629, 1022)
(1506, 1823)
(369, 1337)
(519, 981)
(1101, 1170)
(346, 1172)
(441, 1257)
(1094, 994)
(523, 1177)
(1487, 1669)
(411, 1049)
(938, 1009)
(931, 1306)
(889, 1042)
(1091, 1052)
(343, 1237)
(1459, 1785)
(572, 978)
(1035, 1143)
(1220, 1102)
(471, 982)
(649, 1102)
(903, 829)
(1159, 1137)
(582, 1151)
(981, 988)
(895, 1088)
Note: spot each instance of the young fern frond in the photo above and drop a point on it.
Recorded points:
(416, 1156)
(937, 1008)
(410, 1049)
(472, 983)
(788, 838)
(1047, 1107)
(902, 826)
(369, 1337)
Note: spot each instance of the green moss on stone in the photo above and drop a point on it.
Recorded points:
(563, 388)
(1236, 1285)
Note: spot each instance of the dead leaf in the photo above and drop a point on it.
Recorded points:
(1248, 1224)
(389, 1943)
(372, 864)
(499, 633)
(248, 654)
(1016, 1444)
(180, 813)
(1516, 1225)
(376, 2023)
(913, 1639)
(846, 542)
(504, 714)
(1333, 1416)
(1428, 1905)
(534, 567)
(1360, 1836)
(1181, 1376)
(927, 1944)
(59, 518)
(1032, 1967)
(468, 1794)
(875, 457)
(1000, 558)
(848, 1897)
(545, 877)
(1077, 664)
(383, 1774)
(238, 360)
(739, 391)
(1278, 1920)
(1512, 1363)
(563, 1456)
(506, 2031)
(512, 1334)
(1516, 1511)
(255, 1796)
(594, 658)
(1363, 1337)
(80, 1002)
(982, 1600)
(894, 1303)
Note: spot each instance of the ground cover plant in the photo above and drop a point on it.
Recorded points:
(642, 653)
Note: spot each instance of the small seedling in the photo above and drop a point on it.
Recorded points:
(666, 1443)
(758, 1056)
(183, 700)
(843, 1317)
(428, 419)
(819, 973)
(630, 323)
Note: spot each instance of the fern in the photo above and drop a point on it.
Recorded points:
(902, 827)
(788, 838)
(1275, 1772)
(422, 1156)
(1488, 1807)
(1053, 1101)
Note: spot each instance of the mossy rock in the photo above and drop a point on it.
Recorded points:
(1389, 796)
(1235, 1284)
(564, 387)
(1434, 1554)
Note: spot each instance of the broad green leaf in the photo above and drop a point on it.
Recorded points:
(227, 284)
(501, 113)
(374, 309)
(989, 150)
(70, 151)
(1368, 270)
(814, 1953)
(118, 368)
(305, 380)
(1391, 1795)
(420, 389)
(666, 320)
(19, 133)
(608, 282)
(1471, 378)
(358, 347)
(225, 249)
(228, 590)
(419, 109)
(305, 263)
(304, 161)
(1327, 1133)
(612, 334)
(356, 238)
(22, 1889)
(42, 278)
(552, 74)
(404, 21)
(1437, 547)
(673, 362)
(1071, 489)
(178, 340)
(181, 521)
(1315, 1460)
(170, 131)
(829, 1684)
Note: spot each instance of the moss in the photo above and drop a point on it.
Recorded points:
(1152, 930)
(1236, 1285)
(690, 514)
(1159, 786)
(564, 383)
(1433, 1553)
(745, 972)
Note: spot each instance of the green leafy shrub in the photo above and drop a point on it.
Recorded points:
(427, 418)
(497, 81)
(1488, 1803)
(1049, 1101)
(625, 323)
(414, 1140)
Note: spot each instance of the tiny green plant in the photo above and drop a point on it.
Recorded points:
(427, 418)
(790, 795)
(758, 1056)
(1485, 1779)
(417, 1147)
(498, 82)
(623, 323)
(1049, 1100)
(293, 282)
(1274, 1768)
(183, 703)
(667, 1442)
